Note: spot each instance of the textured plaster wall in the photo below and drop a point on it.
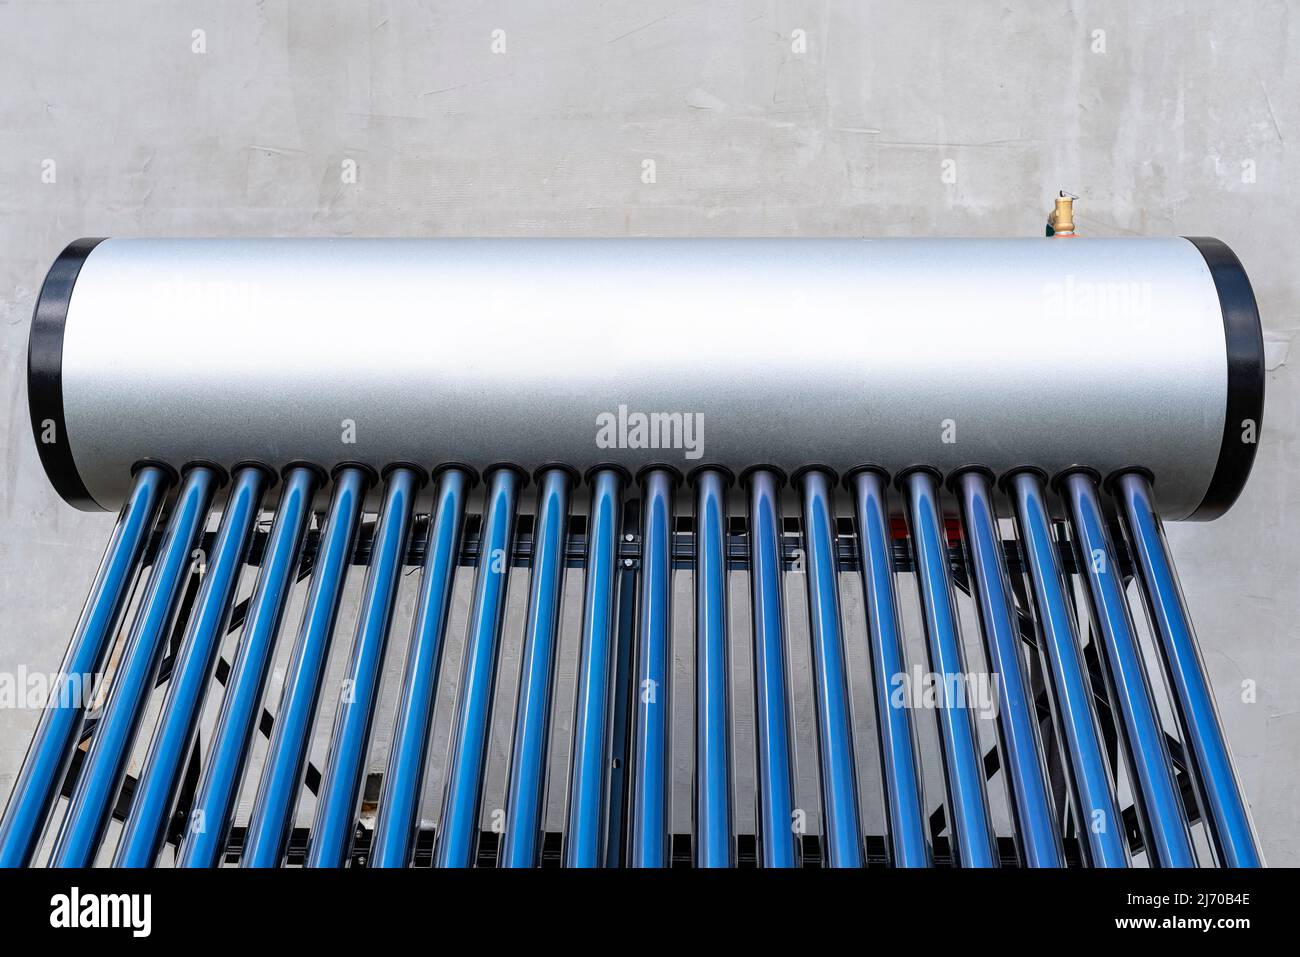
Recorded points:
(761, 118)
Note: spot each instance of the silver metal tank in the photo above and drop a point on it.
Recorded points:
(1001, 353)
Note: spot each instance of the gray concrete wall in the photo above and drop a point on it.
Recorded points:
(775, 119)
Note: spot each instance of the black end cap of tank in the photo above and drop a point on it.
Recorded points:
(45, 375)
(1244, 410)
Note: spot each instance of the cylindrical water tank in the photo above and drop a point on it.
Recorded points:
(1002, 353)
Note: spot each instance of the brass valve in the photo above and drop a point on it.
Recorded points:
(1061, 221)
